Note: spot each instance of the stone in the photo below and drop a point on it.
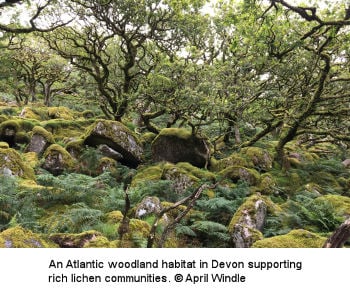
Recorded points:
(117, 137)
(18, 237)
(11, 164)
(179, 145)
(346, 163)
(109, 152)
(248, 222)
(80, 240)
(148, 206)
(57, 160)
(40, 140)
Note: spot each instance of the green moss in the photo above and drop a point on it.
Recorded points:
(77, 240)
(341, 204)
(176, 132)
(4, 145)
(236, 173)
(3, 118)
(100, 242)
(22, 137)
(31, 159)
(249, 207)
(18, 125)
(60, 113)
(38, 130)
(259, 157)
(148, 137)
(234, 160)
(137, 235)
(18, 237)
(11, 163)
(113, 217)
(87, 114)
(152, 173)
(66, 128)
(197, 172)
(295, 239)
(29, 113)
(55, 149)
(12, 124)
(267, 184)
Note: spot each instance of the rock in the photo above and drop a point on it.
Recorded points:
(299, 238)
(57, 160)
(11, 164)
(235, 173)
(109, 152)
(75, 240)
(18, 237)
(148, 206)
(179, 145)
(261, 158)
(41, 139)
(346, 163)
(106, 164)
(180, 179)
(248, 222)
(117, 137)
(8, 130)
(60, 113)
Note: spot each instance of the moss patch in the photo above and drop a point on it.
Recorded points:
(295, 239)
(236, 173)
(11, 164)
(341, 204)
(18, 237)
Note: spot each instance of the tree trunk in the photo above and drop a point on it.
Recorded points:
(339, 237)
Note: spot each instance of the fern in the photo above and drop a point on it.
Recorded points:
(212, 234)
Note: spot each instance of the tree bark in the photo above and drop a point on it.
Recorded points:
(340, 236)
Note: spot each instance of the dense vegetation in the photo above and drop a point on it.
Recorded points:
(173, 123)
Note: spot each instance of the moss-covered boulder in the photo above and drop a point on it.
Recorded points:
(18, 237)
(14, 131)
(236, 173)
(57, 160)
(248, 222)
(11, 164)
(179, 145)
(148, 206)
(118, 137)
(8, 130)
(60, 113)
(294, 239)
(136, 235)
(261, 159)
(41, 139)
(4, 145)
(68, 240)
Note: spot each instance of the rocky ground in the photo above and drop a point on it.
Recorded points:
(72, 179)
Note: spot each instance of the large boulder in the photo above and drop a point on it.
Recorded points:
(119, 138)
(41, 139)
(57, 160)
(11, 164)
(248, 222)
(179, 145)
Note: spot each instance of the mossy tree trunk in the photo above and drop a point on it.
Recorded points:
(339, 237)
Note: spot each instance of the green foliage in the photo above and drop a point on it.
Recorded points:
(304, 211)
(211, 234)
